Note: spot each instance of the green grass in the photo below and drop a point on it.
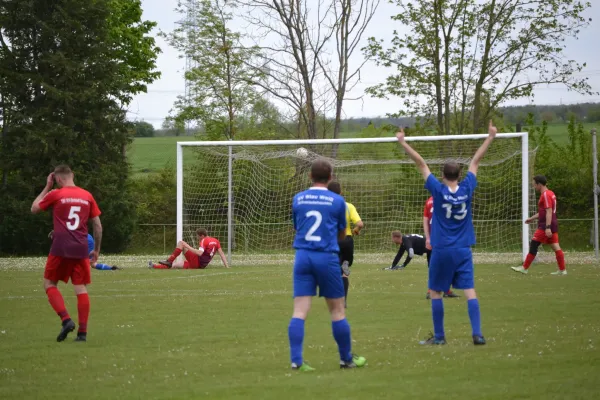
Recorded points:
(560, 134)
(223, 334)
(154, 153)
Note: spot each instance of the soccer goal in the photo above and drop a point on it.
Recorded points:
(241, 191)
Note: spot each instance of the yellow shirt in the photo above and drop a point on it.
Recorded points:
(351, 217)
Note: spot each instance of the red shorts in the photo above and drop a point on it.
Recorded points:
(61, 269)
(540, 236)
(192, 261)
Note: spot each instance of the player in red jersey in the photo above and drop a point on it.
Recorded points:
(427, 216)
(194, 259)
(547, 230)
(71, 206)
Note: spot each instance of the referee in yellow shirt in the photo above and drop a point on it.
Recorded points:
(353, 226)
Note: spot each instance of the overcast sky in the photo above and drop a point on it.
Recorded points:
(155, 105)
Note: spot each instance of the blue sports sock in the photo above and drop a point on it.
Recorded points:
(103, 267)
(296, 336)
(341, 334)
(437, 311)
(474, 316)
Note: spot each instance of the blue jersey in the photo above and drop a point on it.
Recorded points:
(452, 225)
(319, 215)
(90, 243)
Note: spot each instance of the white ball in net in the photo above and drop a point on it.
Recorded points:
(302, 152)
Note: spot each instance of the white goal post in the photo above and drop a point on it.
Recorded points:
(211, 165)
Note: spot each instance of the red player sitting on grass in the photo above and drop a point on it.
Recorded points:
(194, 259)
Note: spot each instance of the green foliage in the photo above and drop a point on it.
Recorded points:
(67, 70)
(567, 167)
(459, 67)
(143, 129)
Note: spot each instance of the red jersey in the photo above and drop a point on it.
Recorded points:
(547, 200)
(428, 211)
(210, 246)
(72, 206)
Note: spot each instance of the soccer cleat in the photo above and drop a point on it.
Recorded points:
(559, 272)
(356, 362)
(114, 268)
(150, 265)
(345, 268)
(520, 269)
(68, 327)
(432, 340)
(428, 297)
(397, 268)
(166, 262)
(81, 338)
(478, 340)
(302, 367)
(450, 294)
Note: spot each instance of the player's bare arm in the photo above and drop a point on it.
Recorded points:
(548, 222)
(358, 226)
(223, 258)
(426, 230)
(492, 131)
(189, 248)
(35, 207)
(531, 219)
(97, 228)
(412, 153)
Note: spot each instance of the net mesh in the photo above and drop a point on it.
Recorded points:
(378, 178)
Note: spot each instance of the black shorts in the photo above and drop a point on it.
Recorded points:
(347, 250)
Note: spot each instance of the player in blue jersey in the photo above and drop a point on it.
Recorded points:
(96, 265)
(452, 236)
(319, 221)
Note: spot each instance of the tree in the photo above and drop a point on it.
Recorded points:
(143, 129)
(301, 65)
(470, 57)
(220, 79)
(69, 69)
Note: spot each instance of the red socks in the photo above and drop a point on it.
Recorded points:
(160, 266)
(560, 259)
(528, 260)
(57, 302)
(175, 254)
(83, 309)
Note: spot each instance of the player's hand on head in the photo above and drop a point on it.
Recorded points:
(50, 180)
(400, 135)
(492, 130)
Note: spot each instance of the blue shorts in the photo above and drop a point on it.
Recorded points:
(312, 269)
(451, 267)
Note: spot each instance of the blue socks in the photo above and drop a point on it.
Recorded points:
(103, 267)
(474, 316)
(296, 336)
(437, 311)
(341, 334)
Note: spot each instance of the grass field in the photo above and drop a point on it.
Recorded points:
(218, 333)
(152, 154)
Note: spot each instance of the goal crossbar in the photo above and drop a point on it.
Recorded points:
(230, 144)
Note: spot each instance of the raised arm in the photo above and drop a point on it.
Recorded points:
(398, 256)
(416, 157)
(223, 258)
(492, 130)
(35, 207)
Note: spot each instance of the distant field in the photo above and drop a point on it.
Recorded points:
(152, 154)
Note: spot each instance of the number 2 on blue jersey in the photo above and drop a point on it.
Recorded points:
(318, 219)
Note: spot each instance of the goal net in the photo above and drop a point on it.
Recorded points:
(241, 192)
